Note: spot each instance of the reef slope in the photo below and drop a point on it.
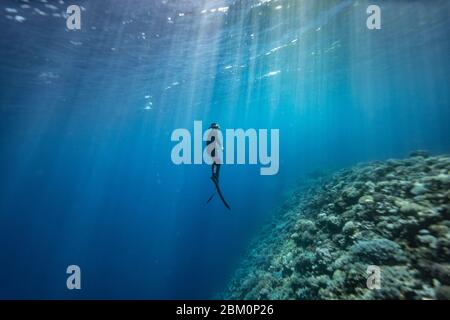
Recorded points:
(393, 214)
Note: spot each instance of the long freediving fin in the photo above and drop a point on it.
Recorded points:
(210, 198)
(219, 192)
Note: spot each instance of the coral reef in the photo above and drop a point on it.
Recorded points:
(393, 214)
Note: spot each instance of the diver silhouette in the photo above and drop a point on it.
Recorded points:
(213, 139)
(213, 142)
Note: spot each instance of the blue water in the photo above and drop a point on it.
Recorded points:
(86, 118)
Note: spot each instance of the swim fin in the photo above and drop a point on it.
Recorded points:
(210, 198)
(219, 192)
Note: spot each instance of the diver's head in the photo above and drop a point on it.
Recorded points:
(214, 125)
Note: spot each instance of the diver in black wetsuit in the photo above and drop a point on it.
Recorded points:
(214, 139)
(215, 168)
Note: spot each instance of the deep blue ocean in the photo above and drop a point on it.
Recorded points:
(86, 118)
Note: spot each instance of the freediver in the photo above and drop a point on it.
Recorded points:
(213, 133)
(214, 139)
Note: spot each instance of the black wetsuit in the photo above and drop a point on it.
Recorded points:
(215, 168)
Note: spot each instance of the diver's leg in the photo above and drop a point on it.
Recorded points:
(213, 174)
(217, 171)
